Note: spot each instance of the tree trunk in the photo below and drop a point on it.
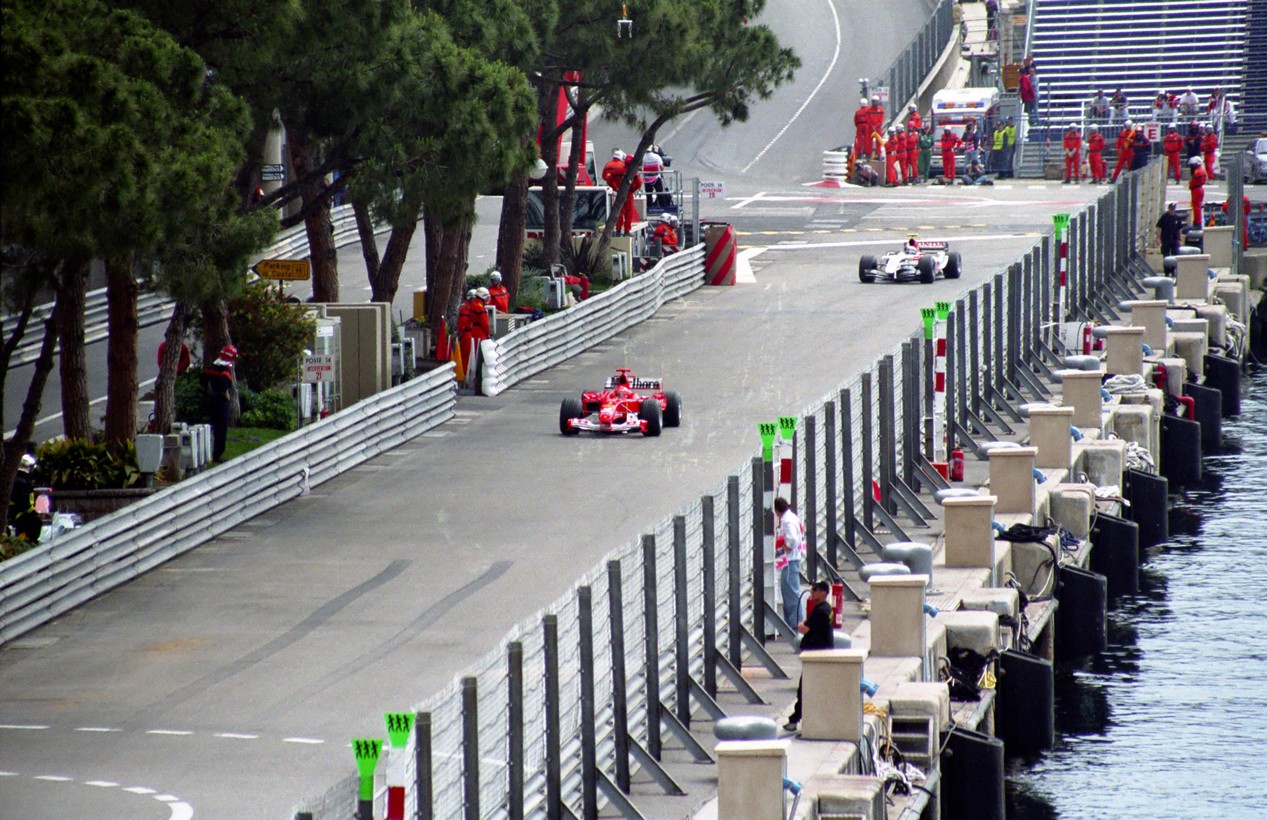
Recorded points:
(25, 308)
(369, 243)
(388, 281)
(550, 182)
(510, 235)
(165, 391)
(215, 335)
(444, 285)
(72, 295)
(121, 353)
(321, 251)
(16, 445)
(567, 207)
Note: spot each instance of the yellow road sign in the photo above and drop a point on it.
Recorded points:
(292, 270)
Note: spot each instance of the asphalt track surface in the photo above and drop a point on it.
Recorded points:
(228, 682)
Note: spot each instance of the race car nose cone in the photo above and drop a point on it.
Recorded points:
(607, 415)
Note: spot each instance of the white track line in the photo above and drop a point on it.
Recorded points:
(834, 57)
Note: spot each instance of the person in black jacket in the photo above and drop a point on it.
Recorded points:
(217, 379)
(816, 633)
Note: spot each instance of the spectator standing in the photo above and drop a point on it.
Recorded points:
(1165, 107)
(816, 633)
(914, 121)
(1125, 149)
(498, 296)
(1173, 145)
(1169, 229)
(1209, 149)
(949, 142)
(1119, 107)
(1095, 154)
(23, 518)
(789, 549)
(926, 141)
(862, 130)
(997, 142)
(218, 380)
(1196, 188)
(1029, 95)
(1246, 208)
(1099, 111)
(971, 143)
(1073, 154)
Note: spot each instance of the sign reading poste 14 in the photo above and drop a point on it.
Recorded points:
(318, 368)
(712, 190)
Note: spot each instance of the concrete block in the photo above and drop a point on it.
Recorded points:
(1072, 506)
(1234, 296)
(832, 700)
(978, 631)
(1032, 566)
(1254, 265)
(999, 600)
(846, 795)
(1012, 479)
(1192, 282)
(897, 616)
(969, 536)
(1216, 323)
(1176, 375)
(1002, 560)
(1132, 423)
(1150, 314)
(1102, 462)
(1124, 351)
(750, 778)
(1080, 390)
(915, 698)
(1218, 244)
(1192, 347)
(1049, 434)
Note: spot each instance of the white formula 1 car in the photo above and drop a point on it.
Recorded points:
(919, 260)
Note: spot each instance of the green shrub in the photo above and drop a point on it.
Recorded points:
(77, 464)
(269, 334)
(11, 545)
(271, 409)
(193, 405)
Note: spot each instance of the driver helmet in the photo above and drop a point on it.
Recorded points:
(495, 277)
(911, 243)
(481, 294)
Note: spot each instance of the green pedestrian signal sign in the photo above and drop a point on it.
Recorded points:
(767, 429)
(399, 725)
(943, 311)
(367, 753)
(929, 315)
(787, 427)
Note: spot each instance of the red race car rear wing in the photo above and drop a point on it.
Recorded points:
(932, 245)
(636, 384)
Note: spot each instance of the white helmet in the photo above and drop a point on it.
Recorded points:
(1195, 161)
(495, 277)
(619, 154)
(1095, 127)
(864, 102)
(1129, 124)
(27, 464)
(470, 294)
(481, 294)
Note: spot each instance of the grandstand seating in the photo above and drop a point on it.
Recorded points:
(1141, 47)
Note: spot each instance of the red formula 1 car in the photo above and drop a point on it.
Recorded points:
(625, 404)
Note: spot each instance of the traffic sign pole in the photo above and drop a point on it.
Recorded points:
(399, 727)
(1061, 223)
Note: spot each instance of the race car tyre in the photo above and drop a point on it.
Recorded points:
(866, 269)
(672, 408)
(927, 269)
(952, 265)
(649, 412)
(570, 409)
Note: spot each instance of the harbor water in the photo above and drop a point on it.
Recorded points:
(1171, 722)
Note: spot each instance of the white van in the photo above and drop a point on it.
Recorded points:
(953, 108)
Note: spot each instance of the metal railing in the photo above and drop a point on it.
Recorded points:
(591, 690)
(39, 585)
(546, 342)
(152, 308)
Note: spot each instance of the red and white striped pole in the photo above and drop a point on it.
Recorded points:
(1061, 222)
(941, 350)
(783, 480)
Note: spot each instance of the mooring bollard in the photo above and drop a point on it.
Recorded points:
(1049, 434)
(1012, 480)
(832, 701)
(898, 625)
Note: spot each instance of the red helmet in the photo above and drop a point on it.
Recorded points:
(229, 353)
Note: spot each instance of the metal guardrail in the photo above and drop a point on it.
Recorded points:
(546, 342)
(41, 584)
(912, 66)
(656, 615)
(152, 308)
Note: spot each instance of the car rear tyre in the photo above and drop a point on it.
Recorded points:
(952, 265)
(927, 269)
(866, 269)
(672, 409)
(570, 409)
(649, 412)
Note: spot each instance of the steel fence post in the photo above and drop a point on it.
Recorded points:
(989, 377)
(868, 513)
(833, 491)
(811, 498)
(515, 725)
(734, 579)
(960, 354)
(849, 498)
(1000, 354)
(974, 352)
(471, 748)
(910, 414)
(887, 446)
(709, 545)
(589, 748)
(1026, 295)
(682, 628)
(759, 475)
(951, 396)
(651, 643)
(424, 809)
(620, 696)
(554, 777)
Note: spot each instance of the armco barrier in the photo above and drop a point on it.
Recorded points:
(151, 308)
(41, 584)
(673, 612)
(526, 352)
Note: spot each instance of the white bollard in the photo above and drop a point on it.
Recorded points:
(970, 532)
(831, 703)
(1049, 434)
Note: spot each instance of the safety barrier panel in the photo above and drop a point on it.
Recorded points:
(594, 687)
(556, 338)
(151, 308)
(41, 584)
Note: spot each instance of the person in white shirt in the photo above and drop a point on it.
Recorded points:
(789, 550)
